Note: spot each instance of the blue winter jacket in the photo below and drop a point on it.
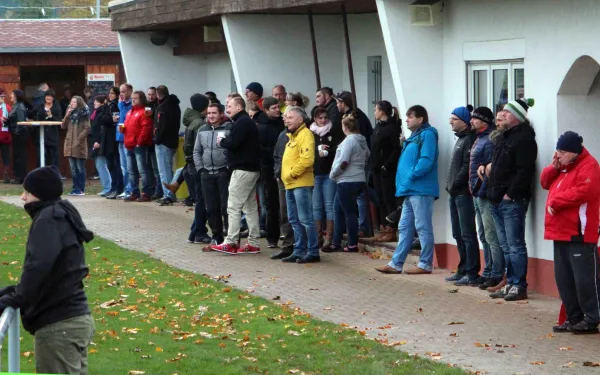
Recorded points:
(481, 154)
(124, 107)
(417, 172)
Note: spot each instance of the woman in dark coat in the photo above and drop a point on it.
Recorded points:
(20, 134)
(101, 119)
(49, 110)
(110, 146)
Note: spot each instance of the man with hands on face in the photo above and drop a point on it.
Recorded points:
(572, 219)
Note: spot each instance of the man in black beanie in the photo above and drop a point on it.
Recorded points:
(572, 220)
(58, 317)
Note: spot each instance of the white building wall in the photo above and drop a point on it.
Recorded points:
(149, 65)
(415, 57)
(548, 34)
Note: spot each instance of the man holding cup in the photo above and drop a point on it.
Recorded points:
(125, 105)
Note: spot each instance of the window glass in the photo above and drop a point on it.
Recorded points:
(519, 75)
(480, 86)
(500, 87)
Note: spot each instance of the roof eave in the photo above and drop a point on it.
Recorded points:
(4, 50)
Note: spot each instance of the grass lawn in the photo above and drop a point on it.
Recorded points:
(155, 319)
(92, 187)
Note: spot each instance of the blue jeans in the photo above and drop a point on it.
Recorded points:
(262, 200)
(417, 214)
(323, 196)
(164, 158)
(364, 210)
(78, 174)
(509, 218)
(462, 218)
(124, 169)
(299, 206)
(345, 211)
(137, 163)
(104, 174)
(492, 252)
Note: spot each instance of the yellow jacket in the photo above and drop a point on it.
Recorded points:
(298, 159)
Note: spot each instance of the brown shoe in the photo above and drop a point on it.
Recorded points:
(417, 271)
(496, 288)
(131, 198)
(388, 270)
(171, 187)
(144, 198)
(388, 235)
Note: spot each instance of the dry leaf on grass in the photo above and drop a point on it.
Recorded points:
(136, 372)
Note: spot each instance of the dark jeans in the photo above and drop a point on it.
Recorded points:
(78, 174)
(286, 227)
(19, 144)
(199, 225)
(215, 189)
(345, 211)
(5, 153)
(384, 183)
(462, 217)
(154, 174)
(509, 218)
(576, 270)
(137, 162)
(116, 177)
(189, 176)
(272, 203)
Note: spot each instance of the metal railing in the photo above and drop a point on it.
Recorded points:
(9, 323)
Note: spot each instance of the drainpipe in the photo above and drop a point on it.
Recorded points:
(97, 8)
(314, 46)
(349, 54)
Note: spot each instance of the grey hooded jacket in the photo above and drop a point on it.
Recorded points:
(354, 151)
(208, 156)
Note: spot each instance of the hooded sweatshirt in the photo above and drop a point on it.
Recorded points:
(51, 286)
(193, 121)
(167, 120)
(355, 152)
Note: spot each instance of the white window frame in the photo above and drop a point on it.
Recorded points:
(490, 66)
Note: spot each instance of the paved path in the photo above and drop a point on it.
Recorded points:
(344, 288)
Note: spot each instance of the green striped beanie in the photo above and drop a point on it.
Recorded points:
(519, 108)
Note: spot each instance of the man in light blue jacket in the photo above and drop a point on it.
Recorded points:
(417, 184)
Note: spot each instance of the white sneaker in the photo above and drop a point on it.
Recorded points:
(122, 196)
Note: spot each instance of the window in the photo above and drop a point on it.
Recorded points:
(494, 84)
(374, 83)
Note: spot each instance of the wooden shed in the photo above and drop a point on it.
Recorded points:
(59, 53)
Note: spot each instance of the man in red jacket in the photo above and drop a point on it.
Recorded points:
(138, 138)
(572, 218)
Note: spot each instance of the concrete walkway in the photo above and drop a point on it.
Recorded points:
(492, 337)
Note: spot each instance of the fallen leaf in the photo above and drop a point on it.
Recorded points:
(136, 372)
(293, 333)
(92, 351)
(455, 323)
(276, 298)
(480, 345)
(538, 363)
(454, 334)
(452, 290)
(27, 354)
(434, 355)
(328, 308)
(565, 348)
(523, 302)
(226, 290)
(159, 349)
(292, 371)
(569, 364)
(591, 364)
(419, 310)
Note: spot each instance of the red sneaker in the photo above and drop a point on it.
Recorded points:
(249, 249)
(226, 248)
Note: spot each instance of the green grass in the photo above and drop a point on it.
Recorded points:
(92, 188)
(167, 321)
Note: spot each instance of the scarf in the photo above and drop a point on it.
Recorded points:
(4, 110)
(80, 113)
(321, 130)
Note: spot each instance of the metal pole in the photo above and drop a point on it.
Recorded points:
(314, 46)
(42, 148)
(97, 8)
(349, 54)
(14, 343)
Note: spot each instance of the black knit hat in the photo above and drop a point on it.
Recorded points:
(256, 88)
(484, 114)
(199, 102)
(570, 142)
(45, 183)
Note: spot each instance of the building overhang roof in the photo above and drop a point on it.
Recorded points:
(148, 15)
